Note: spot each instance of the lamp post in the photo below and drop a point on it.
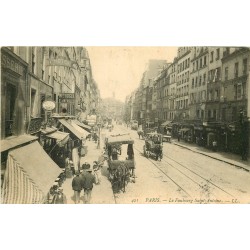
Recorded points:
(99, 132)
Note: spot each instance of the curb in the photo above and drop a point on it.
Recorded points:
(235, 165)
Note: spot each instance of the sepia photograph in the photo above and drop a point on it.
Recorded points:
(125, 125)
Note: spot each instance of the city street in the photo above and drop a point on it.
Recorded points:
(183, 176)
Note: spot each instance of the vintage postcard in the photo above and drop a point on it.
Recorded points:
(125, 125)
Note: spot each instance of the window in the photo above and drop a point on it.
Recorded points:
(210, 95)
(216, 94)
(42, 98)
(214, 114)
(209, 114)
(11, 93)
(234, 113)
(217, 54)
(236, 70)
(201, 63)
(197, 65)
(211, 56)
(204, 79)
(239, 91)
(223, 114)
(192, 83)
(193, 66)
(196, 81)
(33, 96)
(245, 66)
(205, 60)
(33, 63)
(42, 74)
(226, 73)
(200, 81)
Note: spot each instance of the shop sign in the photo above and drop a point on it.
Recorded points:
(67, 96)
(49, 105)
(62, 62)
(210, 130)
(12, 64)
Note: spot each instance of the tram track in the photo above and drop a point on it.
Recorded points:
(194, 179)
(205, 187)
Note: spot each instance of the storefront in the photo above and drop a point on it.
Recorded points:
(54, 143)
(27, 179)
(76, 141)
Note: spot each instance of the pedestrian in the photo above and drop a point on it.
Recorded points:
(179, 136)
(77, 187)
(97, 173)
(88, 179)
(60, 197)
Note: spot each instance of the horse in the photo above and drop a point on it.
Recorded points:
(140, 133)
(158, 151)
(120, 178)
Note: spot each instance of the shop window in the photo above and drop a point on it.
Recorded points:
(42, 98)
(33, 96)
(11, 94)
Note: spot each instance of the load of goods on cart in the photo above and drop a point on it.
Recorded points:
(153, 146)
(121, 162)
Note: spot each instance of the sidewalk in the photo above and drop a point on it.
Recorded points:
(229, 158)
(102, 193)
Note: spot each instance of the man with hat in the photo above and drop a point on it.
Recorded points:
(88, 179)
(77, 186)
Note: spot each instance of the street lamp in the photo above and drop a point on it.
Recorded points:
(99, 132)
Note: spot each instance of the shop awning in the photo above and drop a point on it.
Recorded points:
(61, 137)
(165, 123)
(82, 125)
(69, 125)
(185, 129)
(81, 130)
(13, 142)
(30, 173)
(48, 130)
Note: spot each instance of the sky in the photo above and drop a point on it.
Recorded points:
(120, 69)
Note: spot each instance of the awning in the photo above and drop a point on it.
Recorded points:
(165, 123)
(84, 126)
(69, 125)
(48, 130)
(30, 173)
(13, 142)
(185, 129)
(81, 130)
(61, 137)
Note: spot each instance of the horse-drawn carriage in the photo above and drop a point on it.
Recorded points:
(153, 146)
(121, 162)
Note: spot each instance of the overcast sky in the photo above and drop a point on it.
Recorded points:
(119, 69)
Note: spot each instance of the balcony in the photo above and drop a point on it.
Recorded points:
(9, 128)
